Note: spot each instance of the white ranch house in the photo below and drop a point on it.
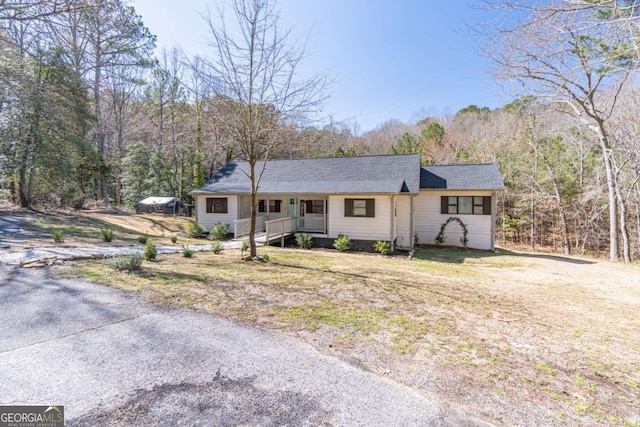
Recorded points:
(368, 198)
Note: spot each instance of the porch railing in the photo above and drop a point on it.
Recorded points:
(280, 228)
(312, 224)
(242, 227)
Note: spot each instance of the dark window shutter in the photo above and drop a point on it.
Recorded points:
(444, 205)
(309, 206)
(348, 207)
(371, 208)
(486, 205)
(278, 205)
(209, 205)
(261, 207)
(225, 208)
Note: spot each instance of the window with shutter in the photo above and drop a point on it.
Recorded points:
(461, 205)
(360, 208)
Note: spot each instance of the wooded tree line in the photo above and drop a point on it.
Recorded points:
(88, 115)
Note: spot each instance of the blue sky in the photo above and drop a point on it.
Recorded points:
(390, 59)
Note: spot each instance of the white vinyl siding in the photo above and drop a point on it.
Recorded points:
(403, 221)
(428, 221)
(207, 220)
(360, 228)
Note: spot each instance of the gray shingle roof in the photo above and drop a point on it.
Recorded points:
(461, 177)
(334, 175)
(353, 175)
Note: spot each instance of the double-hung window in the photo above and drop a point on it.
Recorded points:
(466, 205)
(217, 205)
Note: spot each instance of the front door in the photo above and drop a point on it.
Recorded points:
(291, 211)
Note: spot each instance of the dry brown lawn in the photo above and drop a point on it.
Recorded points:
(82, 228)
(516, 339)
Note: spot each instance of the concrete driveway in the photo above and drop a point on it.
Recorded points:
(113, 359)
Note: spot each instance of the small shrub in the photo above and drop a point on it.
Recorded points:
(150, 251)
(58, 236)
(304, 240)
(174, 239)
(342, 243)
(219, 231)
(265, 257)
(126, 262)
(143, 238)
(245, 246)
(194, 230)
(216, 247)
(186, 252)
(382, 246)
(106, 234)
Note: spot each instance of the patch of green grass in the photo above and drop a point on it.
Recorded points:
(584, 384)
(544, 367)
(331, 314)
(499, 392)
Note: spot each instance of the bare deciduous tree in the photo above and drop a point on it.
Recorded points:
(579, 52)
(256, 66)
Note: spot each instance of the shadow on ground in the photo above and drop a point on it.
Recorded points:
(459, 255)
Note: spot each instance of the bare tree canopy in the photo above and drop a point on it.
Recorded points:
(26, 10)
(578, 52)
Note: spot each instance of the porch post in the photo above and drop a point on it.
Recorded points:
(324, 213)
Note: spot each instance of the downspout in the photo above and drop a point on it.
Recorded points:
(411, 223)
(493, 219)
(393, 222)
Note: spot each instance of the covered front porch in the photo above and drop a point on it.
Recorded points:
(278, 215)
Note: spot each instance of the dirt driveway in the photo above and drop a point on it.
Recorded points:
(113, 359)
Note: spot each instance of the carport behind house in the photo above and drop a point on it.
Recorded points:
(160, 205)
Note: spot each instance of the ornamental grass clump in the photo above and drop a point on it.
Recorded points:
(219, 231)
(342, 243)
(58, 236)
(186, 252)
(216, 247)
(194, 230)
(126, 262)
(106, 234)
(304, 240)
(150, 251)
(382, 247)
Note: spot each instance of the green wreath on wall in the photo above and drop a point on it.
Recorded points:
(441, 237)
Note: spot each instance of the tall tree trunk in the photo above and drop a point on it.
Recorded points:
(100, 134)
(22, 187)
(624, 232)
(612, 191)
(253, 252)
(30, 189)
(532, 206)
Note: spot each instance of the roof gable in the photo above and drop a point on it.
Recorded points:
(461, 177)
